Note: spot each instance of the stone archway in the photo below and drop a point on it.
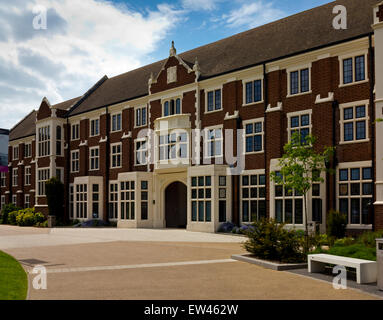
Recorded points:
(176, 205)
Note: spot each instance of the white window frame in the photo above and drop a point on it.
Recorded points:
(28, 150)
(94, 157)
(75, 131)
(15, 152)
(117, 154)
(249, 199)
(142, 151)
(116, 114)
(28, 175)
(41, 180)
(27, 196)
(2, 203)
(353, 165)
(213, 89)
(3, 179)
(173, 144)
(203, 199)
(353, 56)
(15, 176)
(343, 106)
(262, 134)
(175, 98)
(44, 141)
(140, 124)
(14, 199)
(94, 120)
(81, 200)
(299, 114)
(299, 69)
(247, 80)
(125, 193)
(73, 160)
(114, 199)
(207, 140)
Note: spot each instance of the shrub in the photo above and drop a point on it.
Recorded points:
(12, 217)
(7, 209)
(368, 238)
(356, 250)
(271, 241)
(336, 224)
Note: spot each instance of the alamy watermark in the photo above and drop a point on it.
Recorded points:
(39, 281)
(340, 280)
(40, 20)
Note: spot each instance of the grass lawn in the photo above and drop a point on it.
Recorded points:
(13, 279)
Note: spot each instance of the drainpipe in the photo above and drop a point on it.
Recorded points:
(67, 169)
(373, 138)
(335, 106)
(266, 99)
(107, 162)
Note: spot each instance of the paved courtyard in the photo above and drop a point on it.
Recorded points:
(152, 264)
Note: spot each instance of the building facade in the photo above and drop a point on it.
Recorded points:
(190, 141)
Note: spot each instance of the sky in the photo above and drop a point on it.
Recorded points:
(84, 40)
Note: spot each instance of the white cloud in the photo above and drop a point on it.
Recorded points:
(196, 5)
(84, 40)
(252, 15)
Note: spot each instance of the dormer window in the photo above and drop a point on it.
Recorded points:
(172, 107)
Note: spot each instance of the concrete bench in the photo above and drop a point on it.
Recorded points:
(366, 270)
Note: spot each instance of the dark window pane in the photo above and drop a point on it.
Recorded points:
(200, 181)
(355, 211)
(294, 86)
(305, 120)
(208, 193)
(361, 130)
(360, 112)
(257, 90)
(360, 68)
(217, 99)
(355, 189)
(208, 211)
(208, 181)
(245, 180)
(288, 211)
(194, 211)
(294, 122)
(317, 210)
(258, 143)
(348, 113)
(298, 211)
(253, 192)
(201, 214)
(245, 193)
(249, 92)
(367, 174)
(194, 181)
(343, 175)
(245, 211)
(254, 209)
(250, 144)
(262, 209)
(262, 180)
(144, 210)
(366, 214)
(262, 192)
(194, 193)
(278, 191)
(355, 174)
(347, 71)
(348, 131)
(222, 211)
(222, 181)
(210, 101)
(367, 189)
(279, 211)
(343, 189)
(316, 190)
(253, 180)
(343, 206)
(305, 80)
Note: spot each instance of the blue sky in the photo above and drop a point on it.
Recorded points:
(87, 39)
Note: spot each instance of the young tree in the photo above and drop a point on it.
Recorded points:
(300, 167)
(54, 190)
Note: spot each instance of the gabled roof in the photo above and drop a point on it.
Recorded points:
(292, 35)
(27, 126)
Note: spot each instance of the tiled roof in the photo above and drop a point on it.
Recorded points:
(298, 33)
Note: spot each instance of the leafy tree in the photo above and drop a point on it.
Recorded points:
(54, 191)
(300, 167)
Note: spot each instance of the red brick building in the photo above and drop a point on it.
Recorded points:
(152, 147)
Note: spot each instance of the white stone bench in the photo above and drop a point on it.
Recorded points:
(366, 270)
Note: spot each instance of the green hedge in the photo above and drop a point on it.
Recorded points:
(26, 218)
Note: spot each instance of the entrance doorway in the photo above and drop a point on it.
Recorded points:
(176, 205)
